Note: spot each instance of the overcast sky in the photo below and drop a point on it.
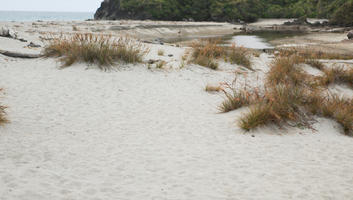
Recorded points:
(51, 5)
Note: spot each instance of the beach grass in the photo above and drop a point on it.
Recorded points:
(206, 52)
(338, 75)
(239, 56)
(3, 118)
(290, 97)
(103, 50)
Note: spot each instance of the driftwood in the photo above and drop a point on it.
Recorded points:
(19, 55)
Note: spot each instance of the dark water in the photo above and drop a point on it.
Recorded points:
(44, 16)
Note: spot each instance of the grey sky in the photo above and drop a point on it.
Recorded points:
(51, 5)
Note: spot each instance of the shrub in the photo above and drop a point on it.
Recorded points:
(94, 49)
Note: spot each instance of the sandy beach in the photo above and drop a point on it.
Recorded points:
(143, 133)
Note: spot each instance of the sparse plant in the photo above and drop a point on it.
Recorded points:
(213, 88)
(3, 118)
(205, 52)
(206, 62)
(337, 75)
(291, 97)
(315, 63)
(160, 52)
(74, 28)
(161, 64)
(312, 53)
(95, 49)
(238, 98)
(239, 56)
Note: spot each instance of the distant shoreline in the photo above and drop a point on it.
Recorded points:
(25, 16)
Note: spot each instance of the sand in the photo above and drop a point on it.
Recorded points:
(137, 133)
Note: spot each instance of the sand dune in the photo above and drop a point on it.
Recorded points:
(137, 133)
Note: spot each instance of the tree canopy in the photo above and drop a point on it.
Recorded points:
(228, 10)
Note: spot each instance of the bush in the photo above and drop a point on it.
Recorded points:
(94, 49)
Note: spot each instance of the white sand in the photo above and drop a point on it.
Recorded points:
(135, 134)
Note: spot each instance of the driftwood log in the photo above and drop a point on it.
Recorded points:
(19, 55)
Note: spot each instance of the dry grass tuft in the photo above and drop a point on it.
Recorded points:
(205, 52)
(311, 53)
(337, 108)
(161, 64)
(285, 70)
(315, 63)
(160, 52)
(278, 105)
(291, 98)
(213, 88)
(74, 28)
(3, 118)
(239, 98)
(239, 56)
(337, 75)
(94, 49)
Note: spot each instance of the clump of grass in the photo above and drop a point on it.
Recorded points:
(337, 108)
(94, 49)
(161, 64)
(204, 53)
(239, 56)
(285, 70)
(3, 118)
(337, 75)
(315, 63)
(239, 98)
(74, 28)
(206, 62)
(213, 88)
(160, 52)
(208, 47)
(312, 53)
(279, 105)
(290, 97)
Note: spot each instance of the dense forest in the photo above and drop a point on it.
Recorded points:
(226, 10)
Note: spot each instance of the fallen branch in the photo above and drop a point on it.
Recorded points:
(19, 55)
